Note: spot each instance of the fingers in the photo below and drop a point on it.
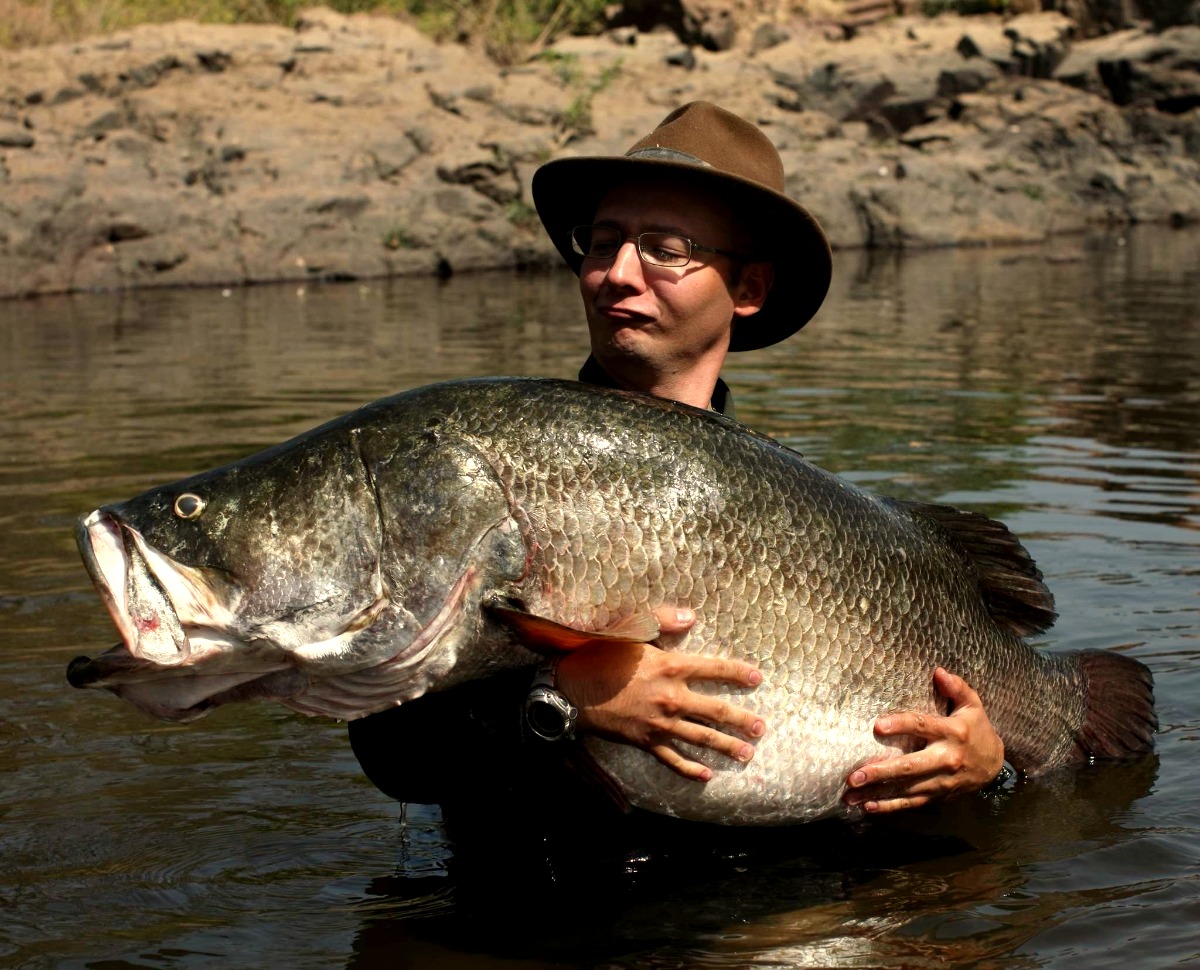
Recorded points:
(673, 619)
(701, 707)
(896, 784)
(718, 668)
(886, 805)
(918, 773)
(956, 690)
(956, 754)
(703, 736)
(692, 770)
(927, 727)
(921, 726)
(687, 705)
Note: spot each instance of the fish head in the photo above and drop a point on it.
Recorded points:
(338, 573)
(227, 577)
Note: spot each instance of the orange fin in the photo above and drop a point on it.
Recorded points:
(548, 636)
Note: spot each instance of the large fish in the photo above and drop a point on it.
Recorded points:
(420, 541)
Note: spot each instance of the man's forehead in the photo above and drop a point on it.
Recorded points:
(659, 204)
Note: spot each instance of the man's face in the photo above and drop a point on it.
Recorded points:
(643, 317)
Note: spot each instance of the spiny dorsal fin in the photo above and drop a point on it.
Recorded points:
(1009, 579)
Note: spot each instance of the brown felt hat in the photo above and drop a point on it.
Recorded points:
(733, 160)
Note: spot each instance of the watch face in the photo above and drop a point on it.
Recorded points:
(545, 720)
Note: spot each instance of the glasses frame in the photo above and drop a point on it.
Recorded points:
(693, 246)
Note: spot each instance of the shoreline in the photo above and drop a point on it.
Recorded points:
(356, 148)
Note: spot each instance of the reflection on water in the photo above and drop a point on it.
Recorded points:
(1059, 390)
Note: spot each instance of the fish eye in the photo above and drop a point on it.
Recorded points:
(189, 506)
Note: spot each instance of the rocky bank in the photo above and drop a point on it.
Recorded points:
(356, 147)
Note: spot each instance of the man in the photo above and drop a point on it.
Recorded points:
(686, 248)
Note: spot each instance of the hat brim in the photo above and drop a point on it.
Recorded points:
(568, 191)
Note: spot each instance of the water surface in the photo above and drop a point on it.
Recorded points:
(1057, 389)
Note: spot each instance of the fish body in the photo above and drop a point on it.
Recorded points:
(395, 551)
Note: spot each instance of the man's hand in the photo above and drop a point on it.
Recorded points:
(638, 694)
(960, 753)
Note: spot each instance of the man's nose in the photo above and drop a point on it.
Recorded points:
(626, 266)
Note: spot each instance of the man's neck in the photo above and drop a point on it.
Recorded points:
(593, 373)
(693, 386)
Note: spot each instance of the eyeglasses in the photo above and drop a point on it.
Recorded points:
(655, 248)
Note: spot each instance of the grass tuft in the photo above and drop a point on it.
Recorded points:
(509, 30)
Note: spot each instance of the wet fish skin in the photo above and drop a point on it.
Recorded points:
(364, 554)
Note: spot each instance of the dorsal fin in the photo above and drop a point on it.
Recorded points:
(1009, 579)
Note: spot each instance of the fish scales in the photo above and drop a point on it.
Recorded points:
(802, 591)
(586, 507)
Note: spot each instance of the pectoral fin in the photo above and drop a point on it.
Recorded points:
(548, 636)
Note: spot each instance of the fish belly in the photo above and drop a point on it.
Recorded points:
(798, 773)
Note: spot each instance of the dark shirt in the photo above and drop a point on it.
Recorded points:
(592, 373)
(466, 748)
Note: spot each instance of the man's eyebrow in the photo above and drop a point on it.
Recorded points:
(650, 227)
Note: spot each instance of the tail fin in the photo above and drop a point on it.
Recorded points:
(1120, 719)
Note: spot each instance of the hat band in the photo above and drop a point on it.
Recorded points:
(668, 155)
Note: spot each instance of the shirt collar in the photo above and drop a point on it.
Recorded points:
(592, 373)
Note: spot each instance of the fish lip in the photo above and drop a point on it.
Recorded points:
(84, 671)
(103, 524)
(104, 535)
(118, 671)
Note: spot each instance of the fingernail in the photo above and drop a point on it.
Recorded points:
(754, 678)
(883, 724)
(758, 729)
(683, 616)
(870, 806)
(706, 775)
(858, 778)
(745, 753)
(852, 798)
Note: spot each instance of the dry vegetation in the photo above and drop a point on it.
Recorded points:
(504, 27)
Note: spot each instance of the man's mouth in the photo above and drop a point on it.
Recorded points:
(620, 314)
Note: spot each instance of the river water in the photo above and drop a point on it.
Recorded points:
(1058, 389)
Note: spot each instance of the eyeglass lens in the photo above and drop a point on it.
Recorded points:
(659, 248)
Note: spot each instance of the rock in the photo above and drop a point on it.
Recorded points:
(1031, 45)
(709, 23)
(489, 177)
(767, 36)
(148, 75)
(1139, 67)
(354, 146)
(14, 136)
(682, 58)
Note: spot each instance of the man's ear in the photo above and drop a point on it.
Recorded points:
(751, 289)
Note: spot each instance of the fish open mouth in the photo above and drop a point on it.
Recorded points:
(117, 559)
(173, 662)
(185, 649)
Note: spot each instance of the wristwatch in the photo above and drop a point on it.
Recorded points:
(548, 714)
(1002, 783)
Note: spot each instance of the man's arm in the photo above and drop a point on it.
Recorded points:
(961, 753)
(638, 694)
(641, 695)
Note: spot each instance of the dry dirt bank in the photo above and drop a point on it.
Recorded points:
(356, 147)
